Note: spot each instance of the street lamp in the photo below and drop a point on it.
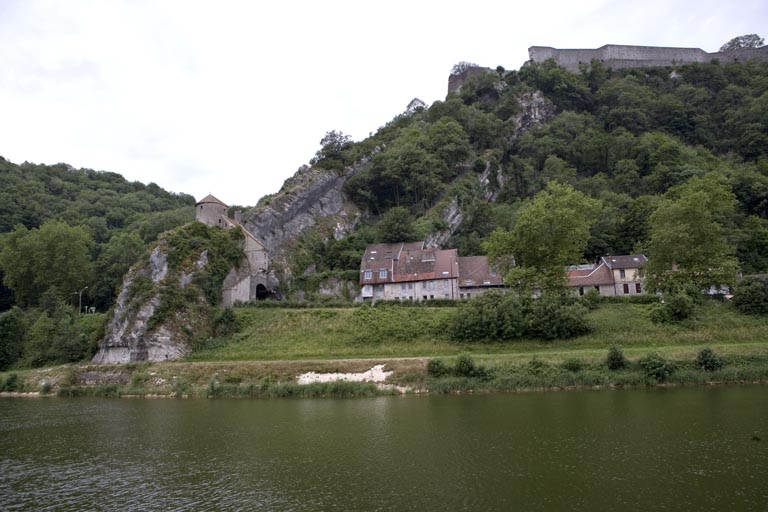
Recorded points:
(80, 300)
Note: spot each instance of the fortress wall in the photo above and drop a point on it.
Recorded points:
(653, 53)
(622, 56)
(456, 81)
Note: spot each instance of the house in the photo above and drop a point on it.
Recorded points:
(408, 271)
(250, 280)
(476, 276)
(611, 275)
(626, 273)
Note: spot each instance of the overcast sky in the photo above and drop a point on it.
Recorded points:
(232, 97)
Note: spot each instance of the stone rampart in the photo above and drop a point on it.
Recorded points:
(623, 56)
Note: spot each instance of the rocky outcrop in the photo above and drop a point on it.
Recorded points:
(135, 333)
(311, 195)
(535, 110)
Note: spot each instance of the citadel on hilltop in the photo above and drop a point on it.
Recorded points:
(619, 56)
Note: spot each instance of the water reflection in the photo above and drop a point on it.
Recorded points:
(681, 449)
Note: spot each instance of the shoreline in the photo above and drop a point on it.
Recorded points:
(361, 378)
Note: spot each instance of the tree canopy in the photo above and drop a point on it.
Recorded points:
(745, 41)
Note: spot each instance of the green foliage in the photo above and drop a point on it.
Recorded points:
(12, 331)
(551, 318)
(551, 232)
(573, 364)
(688, 243)
(745, 41)
(674, 308)
(385, 323)
(225, 322)
(751, 296)
(615, 359)
(54, 255)
(494, 316)
(12, 383)
(656, 367)
(708, 360)
(437, 368)
(396, 226)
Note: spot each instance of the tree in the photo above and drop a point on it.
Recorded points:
(12, 330)
(115, 258)
(396, 226)
(688, 244)
(551, 232)
(54, 255)
(745, 41)
(332, 153)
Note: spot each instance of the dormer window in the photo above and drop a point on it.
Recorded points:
(367, 274)
(383, 273)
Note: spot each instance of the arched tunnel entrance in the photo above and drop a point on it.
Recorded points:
(261, 292)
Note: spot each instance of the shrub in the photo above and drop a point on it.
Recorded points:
(437, 368)
(751, 296)
(707, 360)
(551, 318)
(573, 365)
(656, 367)
(12, 383)
(465, 366)
(615, 359)
(675, 308)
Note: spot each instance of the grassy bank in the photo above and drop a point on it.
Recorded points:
(270, 334)
(275, 345)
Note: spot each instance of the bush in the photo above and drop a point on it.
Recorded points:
(437, 368)
(707, 360)
(551, 318)
(751, 296)
(615, 359)
(495, 316)
(573, 365)
(12, 383)
(465, 366)
(675, 308)
(656, 367)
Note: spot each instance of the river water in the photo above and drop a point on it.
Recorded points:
(661, 449)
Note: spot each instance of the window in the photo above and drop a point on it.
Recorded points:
(598, 289)
(424, 297)
(424, 286)
(445, 283)
(469, 295)
(368, 274)
(461, 295)
(410, 286)
(383, 273)
(626, 288)
(581, 290)
(637, 288)
(622, 274)
(431, 296)
(402, 286)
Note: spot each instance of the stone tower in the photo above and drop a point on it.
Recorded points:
(211, 211)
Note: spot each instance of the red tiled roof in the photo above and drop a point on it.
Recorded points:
(600, 275)
(475, 271)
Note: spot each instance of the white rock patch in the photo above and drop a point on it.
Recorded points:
(375, 374)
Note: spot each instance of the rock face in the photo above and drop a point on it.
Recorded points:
(535, 110)
(311, 195)
(130, 334)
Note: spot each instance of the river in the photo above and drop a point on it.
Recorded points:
(659, 449)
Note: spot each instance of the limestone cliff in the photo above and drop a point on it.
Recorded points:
(311, 196)
(165, 304)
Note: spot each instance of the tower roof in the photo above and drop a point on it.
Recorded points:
(210, 199)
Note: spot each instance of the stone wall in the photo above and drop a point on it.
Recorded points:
(455, 81)
(624, 56)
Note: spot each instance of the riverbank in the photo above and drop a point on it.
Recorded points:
(535, 371)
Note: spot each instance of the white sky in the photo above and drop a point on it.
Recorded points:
(232, 97)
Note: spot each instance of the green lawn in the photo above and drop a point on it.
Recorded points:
(292, 334)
